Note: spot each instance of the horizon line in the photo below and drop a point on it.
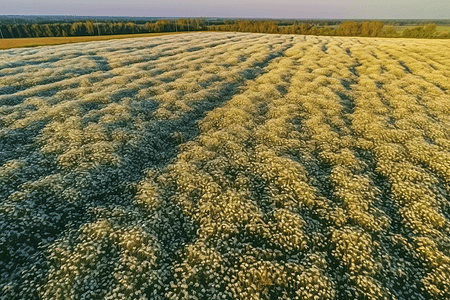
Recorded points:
(267, 18)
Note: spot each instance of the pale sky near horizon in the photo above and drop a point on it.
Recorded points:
(329, 9)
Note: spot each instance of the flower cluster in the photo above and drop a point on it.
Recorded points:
(225, 166)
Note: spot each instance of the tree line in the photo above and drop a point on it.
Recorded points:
(347, 28)
(91, 28)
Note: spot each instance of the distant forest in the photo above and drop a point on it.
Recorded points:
(310, 27)
(91, 28)
(347, 28)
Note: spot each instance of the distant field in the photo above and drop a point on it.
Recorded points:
(45, 41)
(226, 166)
(400, 29)
(442, 28)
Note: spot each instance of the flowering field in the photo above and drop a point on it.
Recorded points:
(226, 166)
(46, 41)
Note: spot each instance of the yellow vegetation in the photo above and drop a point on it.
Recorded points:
(226, 166)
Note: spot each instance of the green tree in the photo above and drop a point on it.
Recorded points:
(313, 31)
(65, 29)
(304, 28)
(244, 26)
(430, 28)
(444, 35)
(349, 28)
(195, 24)
(47, 30)
(130, 27)
(118, 28)
(148, 27)
(10, 32)
(89, 28)
(182, 24)
(389, 32)
(327, 31)
(162, 25)
(78, 28)
(26, 30)
(36, 30)
(406, 32)
(370, 28)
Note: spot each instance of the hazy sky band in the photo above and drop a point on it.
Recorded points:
(351, 9)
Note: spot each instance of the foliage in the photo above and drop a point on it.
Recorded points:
(89, 28)
(346, 28)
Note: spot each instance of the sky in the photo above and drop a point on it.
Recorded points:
(329, 9)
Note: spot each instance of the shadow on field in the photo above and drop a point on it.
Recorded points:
(193, 49)
(353, 69)
(403, 64)
(349, 52)
(54, 203)
(102, 63)
(7, 94)
(25, 62)
(347, 103)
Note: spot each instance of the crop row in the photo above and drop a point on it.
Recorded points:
(225, 166)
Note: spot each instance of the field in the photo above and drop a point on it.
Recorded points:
(45, 41)
(226, 166)
(400, 29)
